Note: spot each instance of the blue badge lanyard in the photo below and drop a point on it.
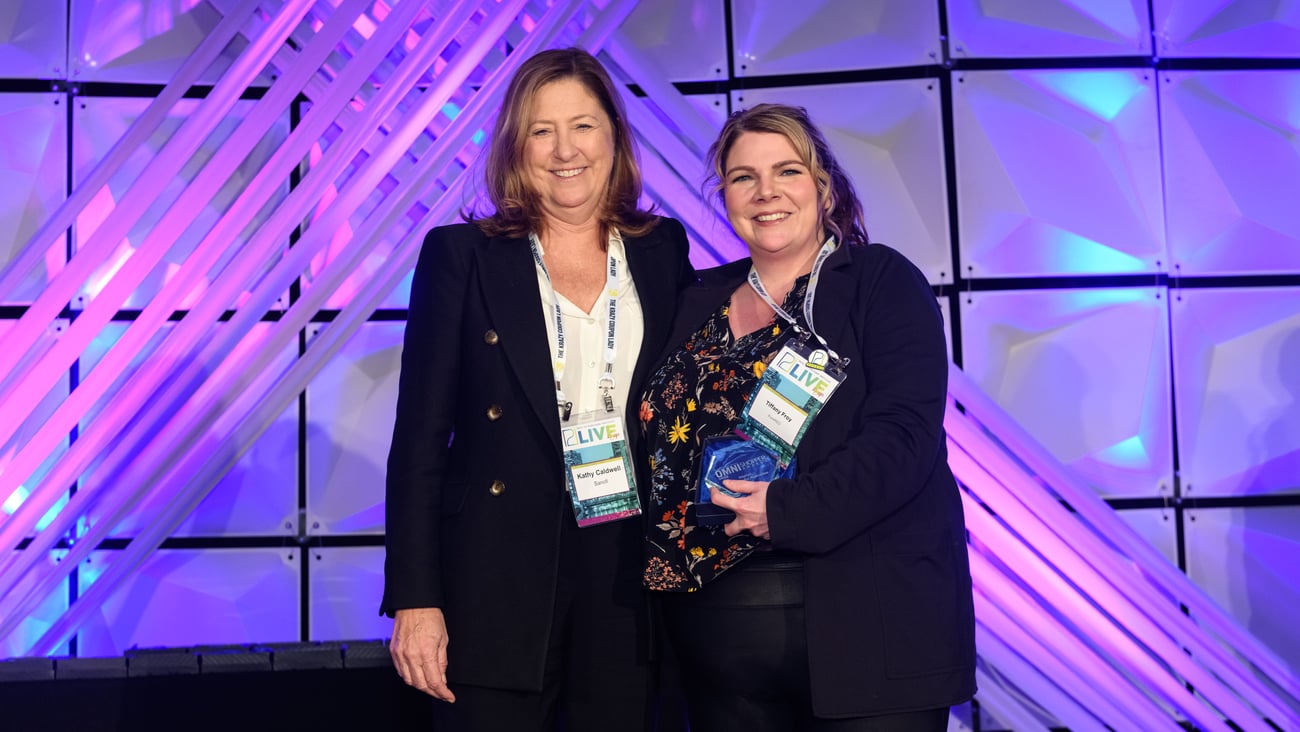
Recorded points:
(611, 311)
(757, 283)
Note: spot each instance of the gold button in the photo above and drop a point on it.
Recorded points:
(498, 487)
(494, 412)
(491, 338)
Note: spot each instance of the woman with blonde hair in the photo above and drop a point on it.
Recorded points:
(808, 544)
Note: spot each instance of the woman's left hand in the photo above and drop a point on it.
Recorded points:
(750, 508)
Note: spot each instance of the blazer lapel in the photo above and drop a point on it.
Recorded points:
(508, 281)
(835, 292)
(655, 289)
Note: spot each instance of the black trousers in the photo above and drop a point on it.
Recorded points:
(597, 677)
(743, 654)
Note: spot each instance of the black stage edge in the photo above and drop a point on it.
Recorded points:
(281, 687)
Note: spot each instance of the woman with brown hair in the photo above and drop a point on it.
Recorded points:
(513, 537)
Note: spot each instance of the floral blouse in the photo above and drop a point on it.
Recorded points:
(700, 392)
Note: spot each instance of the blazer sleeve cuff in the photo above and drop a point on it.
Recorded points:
(784, 531)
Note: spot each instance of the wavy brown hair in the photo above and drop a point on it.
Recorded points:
(841, 211)
(518, 208)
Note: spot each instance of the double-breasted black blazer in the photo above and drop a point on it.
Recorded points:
(476, 497)
(874, 509)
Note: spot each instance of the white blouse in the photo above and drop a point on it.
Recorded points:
(585, 336)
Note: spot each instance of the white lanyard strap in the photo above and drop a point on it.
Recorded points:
(611, 328)
(757, 283)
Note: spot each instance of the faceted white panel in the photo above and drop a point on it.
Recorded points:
(1058, 172)
(712, 106)
(944, 310)
(1159, 526)
(890, 140)
(346, 584)
(1232, 170)
(1244, 558)
(832, 35)
(257, 496)
(33, 182)
(1226, 28)
(685, 39)
(350, 408)
(26, 427)
(1237, 366)
(33, 39)
(188, 597)
(20, 641)
(985, 28)
(98, 124)
(112, 40)
(1086, 372)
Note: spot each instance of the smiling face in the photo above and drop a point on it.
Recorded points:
(569, 151)
(771, 197)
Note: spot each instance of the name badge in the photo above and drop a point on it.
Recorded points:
(794, 388)
(598, 468)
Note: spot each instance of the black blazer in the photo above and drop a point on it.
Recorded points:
(476, 498)
(874, 508)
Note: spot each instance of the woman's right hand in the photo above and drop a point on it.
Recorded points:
(419, 650)
(750, 508)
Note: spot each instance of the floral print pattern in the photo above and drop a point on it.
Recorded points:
(700, 392)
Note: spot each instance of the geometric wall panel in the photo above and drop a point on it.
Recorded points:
(983, 29)
(98, 124)
(350, 407)
(1245, 559)
(1242, 28)
(947, 324)
(257, 496)
(346, 583)
(1086, 372)
(33, 180)
(1232, 170)
(33, 40)
(832, 35)
(187, 597)
(140, 41)
(1058, 172)
(686, 39)
(1236, 357)
(712, 107)
(1157, 526)
(890, 141)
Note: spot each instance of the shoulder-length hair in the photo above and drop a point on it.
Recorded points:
(517, 206)
(841, 211)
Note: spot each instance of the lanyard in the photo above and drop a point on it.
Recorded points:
(611, 311)
(757, 283)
